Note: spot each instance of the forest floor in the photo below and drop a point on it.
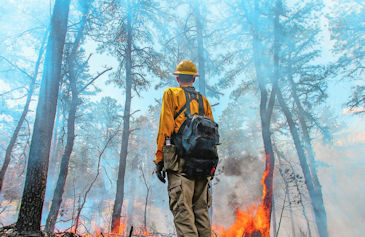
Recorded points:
(11, 231)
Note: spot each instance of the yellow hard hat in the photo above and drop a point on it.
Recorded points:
(186, 67)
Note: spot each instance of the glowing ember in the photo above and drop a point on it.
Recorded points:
(140, 231)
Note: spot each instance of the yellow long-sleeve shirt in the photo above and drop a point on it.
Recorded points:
(173, 100)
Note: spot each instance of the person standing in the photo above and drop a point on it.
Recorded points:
(188, 156)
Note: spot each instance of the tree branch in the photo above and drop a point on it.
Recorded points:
(8, 92)
(17, 67)
(95, 78)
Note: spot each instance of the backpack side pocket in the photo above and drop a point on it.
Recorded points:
(170, 158)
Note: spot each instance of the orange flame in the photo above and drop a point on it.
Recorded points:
(255, 220)
(121, 227)
(252, 222)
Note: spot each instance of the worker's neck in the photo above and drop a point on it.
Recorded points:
(185, 84)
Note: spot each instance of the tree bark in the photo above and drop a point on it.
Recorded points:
(30, 213)
(55, 144)
(316, 198)
(11, 145)
(60, 186)
(119, 197)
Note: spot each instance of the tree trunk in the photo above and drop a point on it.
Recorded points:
(55, 144)
(200, 40)
(10, 147)
(57, 196)
(276, 232)
(201, 70)
(145, 208)
(131, 194)
(146, 200)
(35, 183)
(266, 113)
(119, 197)
(266, 109)
(311, 154)
(316, 198)
(60, 186)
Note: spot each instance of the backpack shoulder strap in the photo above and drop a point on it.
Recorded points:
(188, 98)
(184, 107)
(191, 94)
(180, 111)
(201, 105)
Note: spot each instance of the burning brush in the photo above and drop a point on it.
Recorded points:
(255, 220)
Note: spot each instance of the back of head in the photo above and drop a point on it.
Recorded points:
(184, 78)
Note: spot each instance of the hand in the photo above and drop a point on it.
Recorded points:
(161, 175)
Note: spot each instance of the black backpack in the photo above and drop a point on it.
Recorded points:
(197, 139)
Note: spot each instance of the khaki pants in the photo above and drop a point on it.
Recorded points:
(189, 201)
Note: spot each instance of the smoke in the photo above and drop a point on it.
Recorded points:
(342, 180)
(237, 186)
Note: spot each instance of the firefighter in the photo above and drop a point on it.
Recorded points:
(189, 197)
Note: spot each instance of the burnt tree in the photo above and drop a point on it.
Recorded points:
(72, 75)
(30, 213)
(119, 196)
(266, 101)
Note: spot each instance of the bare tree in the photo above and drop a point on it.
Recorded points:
(294, 181)
(110, 137)
(31, 88)
(148, 189)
